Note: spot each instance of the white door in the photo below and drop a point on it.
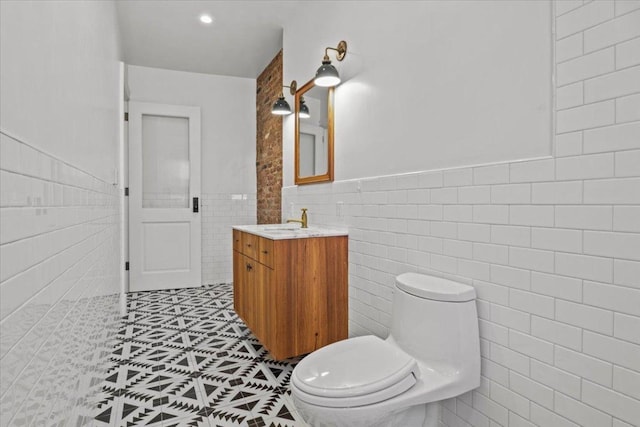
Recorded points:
(164, 191)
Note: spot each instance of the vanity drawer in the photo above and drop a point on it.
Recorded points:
(255, 247)
(250, 245)
(265, 251)
(237, 240)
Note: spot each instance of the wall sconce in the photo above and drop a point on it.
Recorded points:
(303, 112)
(327, 75)
(281, 106)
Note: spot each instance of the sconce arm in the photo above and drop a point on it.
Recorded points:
(341, 51)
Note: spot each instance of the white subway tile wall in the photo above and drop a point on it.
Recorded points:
(221, 211)
(59, 286)
(552, 246)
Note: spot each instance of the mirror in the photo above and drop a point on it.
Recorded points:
(313, 134)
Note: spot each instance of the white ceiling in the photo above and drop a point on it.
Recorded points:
(244, 37)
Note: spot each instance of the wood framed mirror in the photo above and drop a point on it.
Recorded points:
(313, 134)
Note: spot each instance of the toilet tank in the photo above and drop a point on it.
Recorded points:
(435, 320)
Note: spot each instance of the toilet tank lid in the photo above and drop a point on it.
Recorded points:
(435, 288)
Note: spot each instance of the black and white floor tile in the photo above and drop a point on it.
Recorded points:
(184, 358)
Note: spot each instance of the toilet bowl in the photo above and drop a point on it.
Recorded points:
(431, 354)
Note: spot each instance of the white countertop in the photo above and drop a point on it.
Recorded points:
(290, 231)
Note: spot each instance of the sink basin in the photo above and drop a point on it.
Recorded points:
(281, 227)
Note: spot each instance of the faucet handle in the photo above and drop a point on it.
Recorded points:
(303, 210)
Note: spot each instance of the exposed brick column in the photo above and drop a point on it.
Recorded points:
(269, 143)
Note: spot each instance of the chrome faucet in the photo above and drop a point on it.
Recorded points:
(303, 220)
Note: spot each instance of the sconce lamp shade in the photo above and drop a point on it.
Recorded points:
(303, 113)
(327, 75)
(281, 107)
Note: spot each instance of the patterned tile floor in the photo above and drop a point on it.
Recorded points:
(184, 358)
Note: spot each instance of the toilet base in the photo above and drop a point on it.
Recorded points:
(423, 415)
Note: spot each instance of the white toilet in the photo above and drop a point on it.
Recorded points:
(432, 353)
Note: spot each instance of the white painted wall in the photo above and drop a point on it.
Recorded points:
(228, 118)
(552, 246)
(59, 210)
(56, 80)
(428, 84)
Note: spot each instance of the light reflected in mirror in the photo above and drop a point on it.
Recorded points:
(314, 134)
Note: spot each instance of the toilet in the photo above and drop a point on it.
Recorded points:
(431, 354)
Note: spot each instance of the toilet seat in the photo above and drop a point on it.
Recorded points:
(355, 372)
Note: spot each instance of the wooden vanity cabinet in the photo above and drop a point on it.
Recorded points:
(291, 293)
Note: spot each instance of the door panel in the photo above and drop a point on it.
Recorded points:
(164, 179)
(173, 238)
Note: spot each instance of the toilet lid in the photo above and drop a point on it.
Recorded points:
(364, 369)
(435, 288)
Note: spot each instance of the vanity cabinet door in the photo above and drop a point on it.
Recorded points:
(249, 297)
(251, 294)
(261, 325)
(242, 287)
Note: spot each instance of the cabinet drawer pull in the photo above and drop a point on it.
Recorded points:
(265, 252)
(248, 245)
(249, 267)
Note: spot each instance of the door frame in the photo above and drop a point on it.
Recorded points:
(122, 184)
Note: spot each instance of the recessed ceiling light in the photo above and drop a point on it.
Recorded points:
(206, 19)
